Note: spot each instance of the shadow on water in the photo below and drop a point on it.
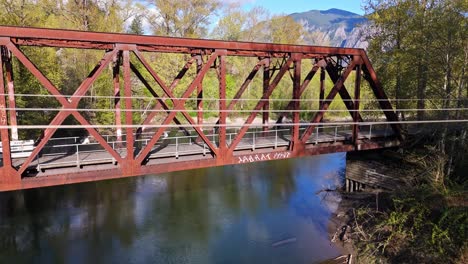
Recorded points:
(252, 213)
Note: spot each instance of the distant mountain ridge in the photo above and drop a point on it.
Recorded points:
(333, 27)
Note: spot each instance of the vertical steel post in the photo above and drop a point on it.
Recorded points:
(128, 107)
(116, 76)
(11, 96)
(222, 105)
(322, 86)
(357, 92)
(8, 175)
(296, 105)
(199, 91)
(5, 137)
(266, 85)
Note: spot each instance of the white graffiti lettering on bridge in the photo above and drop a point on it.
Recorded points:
(263, 157)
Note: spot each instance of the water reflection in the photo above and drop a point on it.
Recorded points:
(253, 213)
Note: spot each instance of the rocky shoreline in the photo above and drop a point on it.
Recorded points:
(340, 227)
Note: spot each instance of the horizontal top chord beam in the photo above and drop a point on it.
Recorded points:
(95, 40)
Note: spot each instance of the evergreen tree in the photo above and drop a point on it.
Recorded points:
(136, 27)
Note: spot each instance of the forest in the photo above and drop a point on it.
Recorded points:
(419, 49)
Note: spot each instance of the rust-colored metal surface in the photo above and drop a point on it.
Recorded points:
(121, 51)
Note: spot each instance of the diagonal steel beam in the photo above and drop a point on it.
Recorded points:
(260, 104)
(68, 107)
(326, 103)
(371, 77)
(244, 86)
(48, 133)
(178, 105)
(303, 87)
(181, 74)
(174, 83)
(344, 94)
(37, 73)
(168, 92)
(159, 101)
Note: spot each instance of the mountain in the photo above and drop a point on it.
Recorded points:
(333, 27)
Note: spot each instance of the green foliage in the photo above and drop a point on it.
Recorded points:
(418, 225)
(181, 18)
(426, 223)
(419, 50)
(399, 27)
(136, 27)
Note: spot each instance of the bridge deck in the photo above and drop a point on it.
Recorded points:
(59, 155)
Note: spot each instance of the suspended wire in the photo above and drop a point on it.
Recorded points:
(230, 99)
(230, 111)
(366, 123)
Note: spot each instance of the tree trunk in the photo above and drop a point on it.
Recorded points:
(421, 88)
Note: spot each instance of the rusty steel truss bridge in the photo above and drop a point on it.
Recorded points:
(179, 141)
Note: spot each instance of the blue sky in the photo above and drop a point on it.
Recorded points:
(291, 6)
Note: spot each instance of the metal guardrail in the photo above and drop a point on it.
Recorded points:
(176, 146)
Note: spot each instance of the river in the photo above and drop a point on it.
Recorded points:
(267, 212)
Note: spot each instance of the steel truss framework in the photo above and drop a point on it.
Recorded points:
(338, 63)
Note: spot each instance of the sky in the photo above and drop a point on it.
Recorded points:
(292, 6)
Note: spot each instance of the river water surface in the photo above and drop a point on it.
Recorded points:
(268, 212)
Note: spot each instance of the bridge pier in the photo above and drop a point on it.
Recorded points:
(377, 169)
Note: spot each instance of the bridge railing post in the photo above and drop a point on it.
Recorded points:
(316, 135)
(336, 133)
(253, 139)
(39, 161)
(77, 156)
(370, 131)
(276, 138)
(177, 147)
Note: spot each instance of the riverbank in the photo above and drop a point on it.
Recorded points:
(422, 223)
(341, 222)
